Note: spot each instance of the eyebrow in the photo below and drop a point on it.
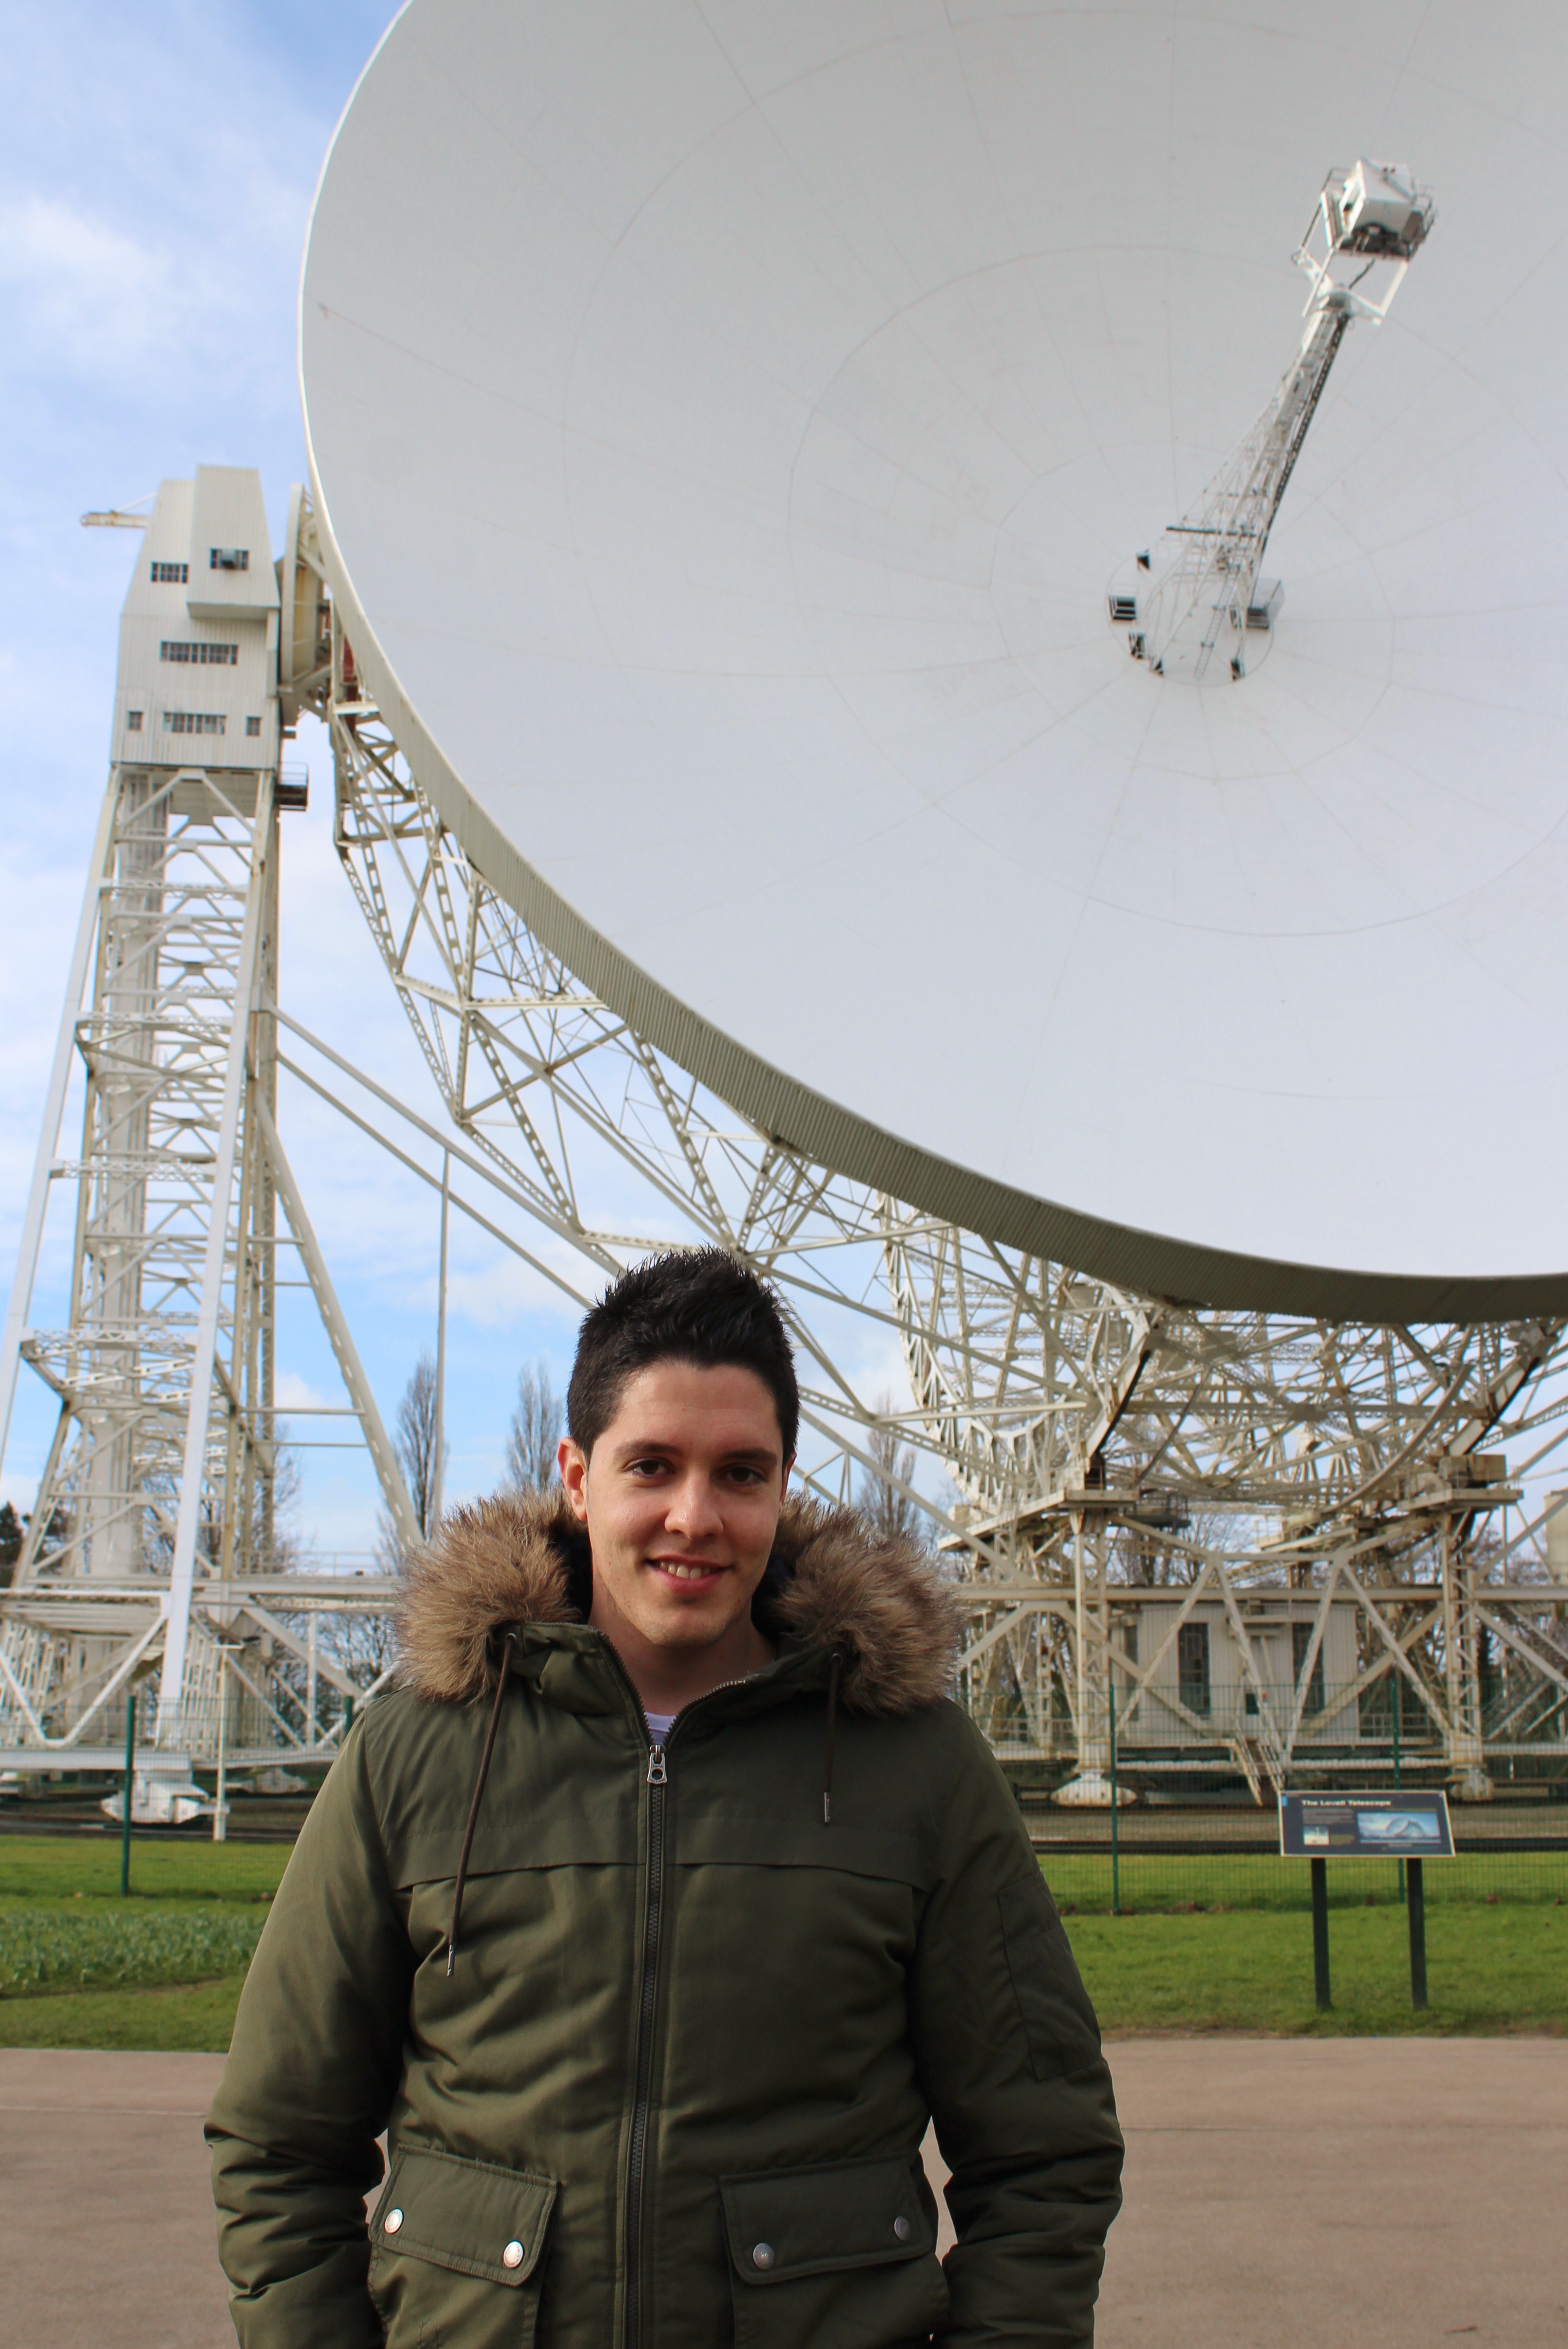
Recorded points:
(763, 1455)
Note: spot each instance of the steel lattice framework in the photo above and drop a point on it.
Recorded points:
(153, 1543)
(1096, 1445)
(1087, 1459)
(173, 1268)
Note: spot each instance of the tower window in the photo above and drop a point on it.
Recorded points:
(228, 558)
(1192, 1666)
(253, 725)
(171, 575)
(203, 655)
(1300, 1640)
(133, 722)
(194, 722)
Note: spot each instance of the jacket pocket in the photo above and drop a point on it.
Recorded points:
(457, 2251)
(842, 2256)
(1052, 2004)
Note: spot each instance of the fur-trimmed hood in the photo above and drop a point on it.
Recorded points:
(831, 1584)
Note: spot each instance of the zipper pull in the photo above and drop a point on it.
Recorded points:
(657, 1776)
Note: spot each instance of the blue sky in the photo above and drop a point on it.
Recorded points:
(155, 184)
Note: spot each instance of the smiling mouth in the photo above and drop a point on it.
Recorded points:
(681, 1569)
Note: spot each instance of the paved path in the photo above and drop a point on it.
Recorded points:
(1332, 2194)
(105, 2218)
(1282, 2194)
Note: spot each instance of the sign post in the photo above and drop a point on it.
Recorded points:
(1416, 1909)
(1409, 1827)
(129, 1785)
(1320, 1933)
(1394, 1693)
(1116, 1802)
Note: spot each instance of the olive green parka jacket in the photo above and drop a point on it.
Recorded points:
(671, 2090)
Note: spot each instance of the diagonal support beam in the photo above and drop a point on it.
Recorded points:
(1548, 1668)
(390, 1476)
(122, 1673)
(54, 1111)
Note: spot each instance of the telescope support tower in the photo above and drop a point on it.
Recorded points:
(156, 1508)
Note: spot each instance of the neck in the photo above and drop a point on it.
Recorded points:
(667, 1679)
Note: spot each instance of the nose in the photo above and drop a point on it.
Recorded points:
(694, 1513)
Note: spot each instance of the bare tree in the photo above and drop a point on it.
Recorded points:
(415, 1444)
(269, 1543)
(537, 1424)
(888, 1511)
(363, 1646)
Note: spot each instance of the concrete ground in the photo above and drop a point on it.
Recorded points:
(1282, 2194)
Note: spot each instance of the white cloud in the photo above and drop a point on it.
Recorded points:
(86, 293)
(507, 1294)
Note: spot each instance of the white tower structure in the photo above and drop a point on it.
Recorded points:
(155, 1507)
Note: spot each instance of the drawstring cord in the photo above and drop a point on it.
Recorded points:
(509, 1644)
(835, 1667)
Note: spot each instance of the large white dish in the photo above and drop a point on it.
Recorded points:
(725, 421)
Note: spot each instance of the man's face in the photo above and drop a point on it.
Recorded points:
(681, 1498)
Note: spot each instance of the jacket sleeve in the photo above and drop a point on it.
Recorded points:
(1009, 2055)
(312, 2070)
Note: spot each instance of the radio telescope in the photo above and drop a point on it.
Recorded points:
(728, 425)
(747, 448)
(896, 672)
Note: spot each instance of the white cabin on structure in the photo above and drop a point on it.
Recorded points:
(198, 637)
(1201, 1692)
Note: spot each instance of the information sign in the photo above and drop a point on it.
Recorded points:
(1366, 1827)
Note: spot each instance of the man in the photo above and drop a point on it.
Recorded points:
(654, 1917)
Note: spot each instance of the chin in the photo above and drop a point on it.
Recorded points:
(687, 1630)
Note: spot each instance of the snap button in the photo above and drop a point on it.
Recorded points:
(512, 2257)
(392, 2221)
(903, 2230)
(762, 2255)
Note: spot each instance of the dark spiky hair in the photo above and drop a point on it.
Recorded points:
(693, 1305)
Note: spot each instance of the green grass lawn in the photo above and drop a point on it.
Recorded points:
(190, 2016)
(1208, 1950)
(163, 1969)
(46, 1871)
(1242, 1879)
(1489, 1969)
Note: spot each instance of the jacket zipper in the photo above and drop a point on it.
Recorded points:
(657, 1779)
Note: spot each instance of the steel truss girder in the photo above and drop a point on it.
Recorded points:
(70, 1651)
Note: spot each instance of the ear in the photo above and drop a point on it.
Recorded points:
(573, 1464)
